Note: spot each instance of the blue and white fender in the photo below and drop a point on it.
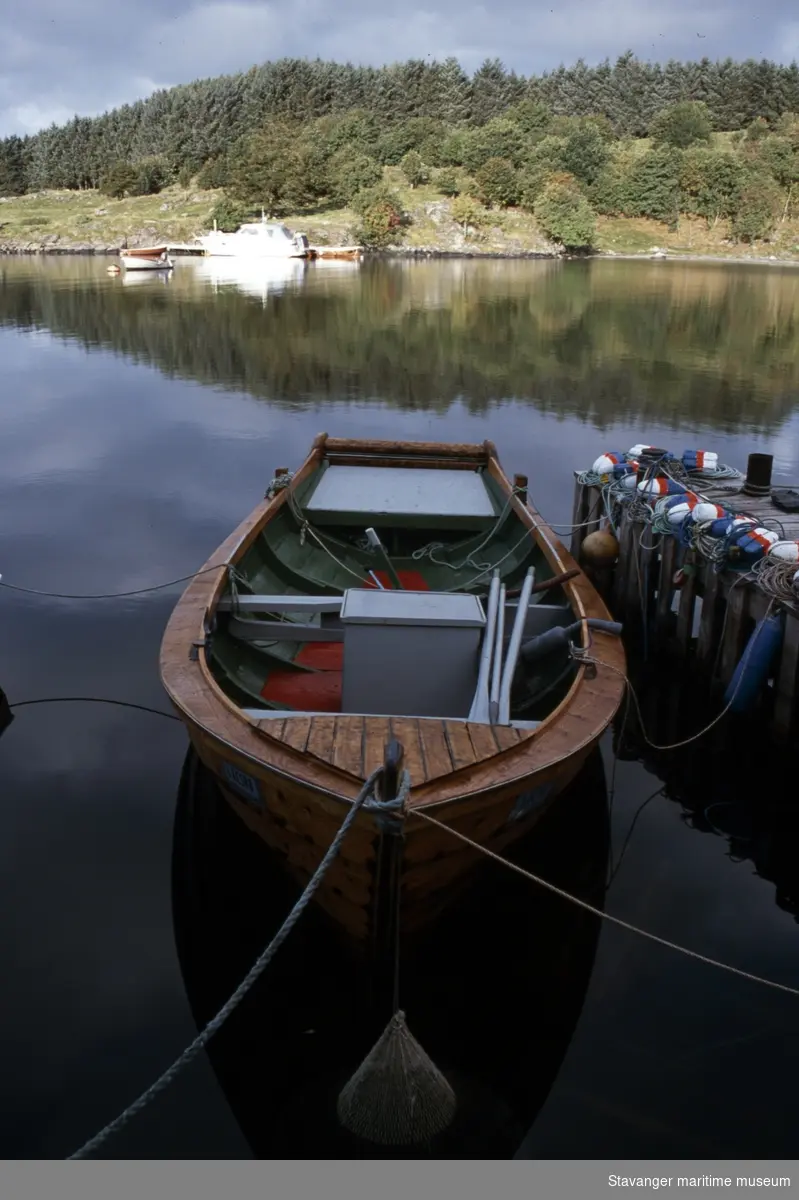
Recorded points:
(755, 664)
(700, 460)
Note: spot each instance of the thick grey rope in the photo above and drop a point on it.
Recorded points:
(366, 794)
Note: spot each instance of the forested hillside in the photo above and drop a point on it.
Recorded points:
(718, 140)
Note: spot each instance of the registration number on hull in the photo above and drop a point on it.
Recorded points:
(528, 802)
(243, 785)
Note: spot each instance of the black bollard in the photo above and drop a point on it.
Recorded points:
(758, 475)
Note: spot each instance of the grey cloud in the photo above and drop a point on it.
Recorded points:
(57, 60)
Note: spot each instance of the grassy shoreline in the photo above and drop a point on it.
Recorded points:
(85, 222)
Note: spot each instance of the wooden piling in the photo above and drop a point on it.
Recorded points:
(715, 610)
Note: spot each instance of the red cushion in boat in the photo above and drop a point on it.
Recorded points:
(412, 581)
(322, 656)
(318, 690)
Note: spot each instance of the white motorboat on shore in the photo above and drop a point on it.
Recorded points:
(256, 239)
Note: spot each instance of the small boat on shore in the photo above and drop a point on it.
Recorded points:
(347, 253)
(403, 604)
(146, 258)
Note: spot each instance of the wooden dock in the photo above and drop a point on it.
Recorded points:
(686, 608)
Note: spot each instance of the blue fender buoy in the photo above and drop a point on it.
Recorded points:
(754, 665)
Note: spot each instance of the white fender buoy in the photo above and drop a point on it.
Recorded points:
(786, 551)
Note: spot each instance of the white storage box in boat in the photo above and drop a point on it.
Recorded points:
(410, 653)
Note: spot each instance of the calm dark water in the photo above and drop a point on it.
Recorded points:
(140, 420)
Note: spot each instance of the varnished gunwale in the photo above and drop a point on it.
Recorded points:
(571, 729)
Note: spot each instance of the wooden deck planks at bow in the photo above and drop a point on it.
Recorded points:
(702, 616)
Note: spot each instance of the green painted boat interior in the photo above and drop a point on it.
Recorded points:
(298, 553)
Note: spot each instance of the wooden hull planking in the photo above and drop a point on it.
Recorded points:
(290, 780)
(300, 825)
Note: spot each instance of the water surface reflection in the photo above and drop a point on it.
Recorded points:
(139, 424)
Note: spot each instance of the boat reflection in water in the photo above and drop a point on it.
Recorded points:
(258, 277)
(492, 992)
(144, 278)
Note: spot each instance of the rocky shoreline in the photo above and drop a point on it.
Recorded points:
(35, 248)
(14, 248)
(87, 249)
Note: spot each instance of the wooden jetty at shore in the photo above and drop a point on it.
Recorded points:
(347, 253)
(680, 599)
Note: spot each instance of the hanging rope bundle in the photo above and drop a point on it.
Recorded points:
(398, 1096)
(776, 578)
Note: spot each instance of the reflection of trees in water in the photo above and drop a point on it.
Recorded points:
(602, 341)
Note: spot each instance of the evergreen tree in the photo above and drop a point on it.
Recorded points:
(467, 212)
(548, 152)
(118, 181)
(682, 125)
(215, 173)
(12, 166)
(630, 89)
(414, 169)
(565, 215)
(533, 117)
(348, 174)
(270, 169)
(498, 138)
(610, 193)
(758, 210)
(421, 106)
(585, 154)
(405, 136)
(778, 157)
(381, 216)
(532, 181)
(653, 185)
(493, 90)
(151, 176)
(448, 182)
(711, 182)
(497, 183)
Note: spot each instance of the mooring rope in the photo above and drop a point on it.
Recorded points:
(775, 577)
(367, 796)
(597, 912)
(155, 587)
(429, 550)
(581, 656)
(156, 712)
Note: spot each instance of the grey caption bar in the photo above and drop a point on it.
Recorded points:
(517, 1180)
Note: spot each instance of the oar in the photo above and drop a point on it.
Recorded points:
(376, 544)
(545, 584)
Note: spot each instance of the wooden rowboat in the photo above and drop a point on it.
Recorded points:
(294, 662)
(145, 251)
(351, 253)
(146, 258)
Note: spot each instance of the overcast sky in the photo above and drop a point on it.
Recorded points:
(59, 57)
